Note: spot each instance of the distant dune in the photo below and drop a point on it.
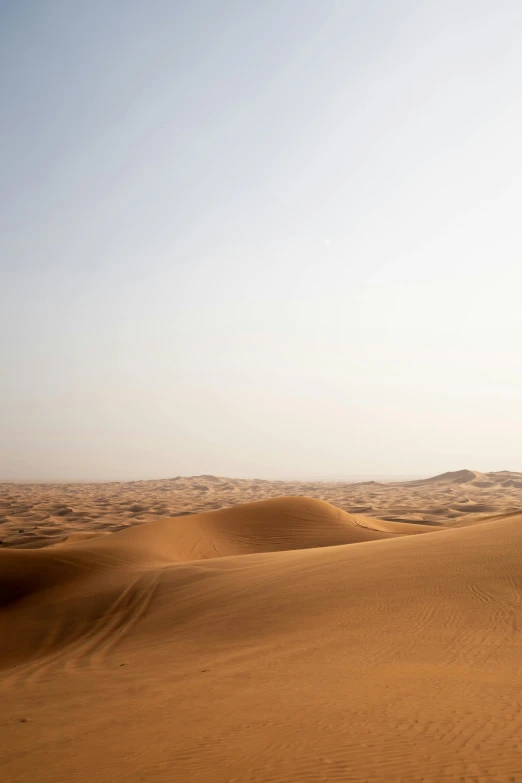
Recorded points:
(452, 477)
(277, 640)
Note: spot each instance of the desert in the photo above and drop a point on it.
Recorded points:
(364, 632)
(260, 391)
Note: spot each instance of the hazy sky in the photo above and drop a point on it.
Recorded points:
(272, 239)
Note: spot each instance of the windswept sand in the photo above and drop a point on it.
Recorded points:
(282, 640)
(36, 515)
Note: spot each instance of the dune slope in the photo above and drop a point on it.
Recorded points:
(391, 659)
(264, 526)
(80, 581)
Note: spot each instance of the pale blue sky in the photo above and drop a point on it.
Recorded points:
(273, 239)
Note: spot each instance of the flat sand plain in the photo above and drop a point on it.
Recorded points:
(209, 629)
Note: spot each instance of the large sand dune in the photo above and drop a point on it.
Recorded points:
(283, 640)
(96, 563)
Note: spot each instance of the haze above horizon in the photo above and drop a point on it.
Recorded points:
(272, 239)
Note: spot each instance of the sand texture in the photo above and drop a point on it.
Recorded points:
(35, 515)
(368, 633)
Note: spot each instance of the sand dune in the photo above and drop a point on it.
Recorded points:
(313, 645)
(451, 477)
(264, 526)
(36, 515)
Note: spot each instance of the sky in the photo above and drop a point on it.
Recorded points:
(275, 239)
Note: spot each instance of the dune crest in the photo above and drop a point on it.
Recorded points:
(262, 526)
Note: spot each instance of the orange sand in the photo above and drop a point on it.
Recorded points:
(282, 640)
